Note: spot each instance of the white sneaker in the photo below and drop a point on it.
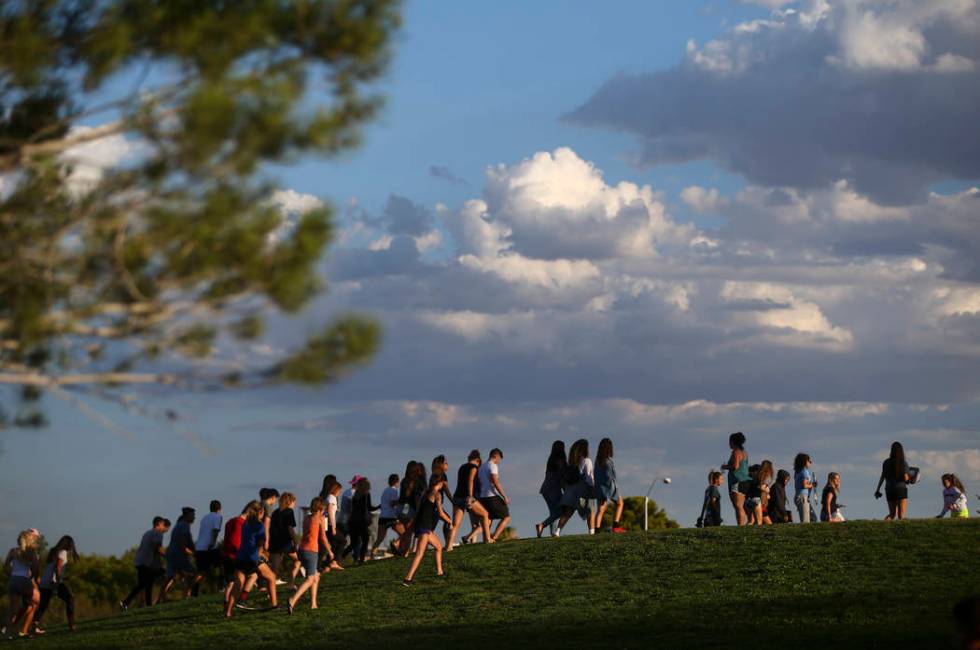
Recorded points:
(280, 582)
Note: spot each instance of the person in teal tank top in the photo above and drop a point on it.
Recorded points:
(738, 473)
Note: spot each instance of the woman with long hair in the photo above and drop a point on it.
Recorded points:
(552, 486)
(282, 533)
(895, 476)
(607, 488)
(465, 500)
(738, 474)
(360, 520)
(252, 557)
(830, 509)
(580, 495)
(426, 517)
(23, 566)
(53, 582)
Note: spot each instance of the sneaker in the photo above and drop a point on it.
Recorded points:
(247, 608)
(618, 529)
(123, 606)
(407, 583)
(280, 582)
(289, 607)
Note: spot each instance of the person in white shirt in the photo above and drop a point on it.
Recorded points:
(53, 582)
(389, 511)
(579, 487)
(492, 496)
(206, 554)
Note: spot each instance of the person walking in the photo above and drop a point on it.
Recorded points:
(954, 498)
(229, 552)
(388, 515)
(360, 520)
(492, 496)
(23, 567)
(282, 528)
(465, 499)
(803, 482)
(606, 486)
(552, 488)
(830, 509)
(314, 537)
(53, 582)
(337, 541)
(895, 476)
(251, 558)
(149, 563)
(776, 509)
(180, 551)
(580, 487)
(738, 475)
(425, 527)
(207, 557)
(711, 503)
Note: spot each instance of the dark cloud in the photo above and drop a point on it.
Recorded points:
(794, 102)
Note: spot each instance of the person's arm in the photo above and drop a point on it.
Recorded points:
(9, 561)
(267, 524)
(828, 498)
(324, 542)
(332, 518)
(732, 461)
(214, 535)
(469, 486)
(442, 513)
(500, 489)
(36, 568)
(58, 563)
(881, 479)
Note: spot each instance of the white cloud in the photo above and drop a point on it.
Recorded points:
(702, 200)
(546, 274)
(291, 201)
(786, 317)
(89, 161)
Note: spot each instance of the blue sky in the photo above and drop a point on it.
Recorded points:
(630, 236)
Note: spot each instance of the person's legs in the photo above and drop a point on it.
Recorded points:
(315, 588)
(42, 606)
(892, 510)
(434, 542)
(458, 514)
(501, 525)
(603, 504)
(30, 606)
(802, 508)
(168, 582)
(738, 502)
(903, 505)
(64, 593)
(270, 580)
(620, 505)
(417, 560)
(16, 603)
(236, 588)
(294, 571)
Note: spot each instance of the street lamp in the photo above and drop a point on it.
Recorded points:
(646, 500)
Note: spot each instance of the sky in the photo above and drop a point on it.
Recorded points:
(660, 222)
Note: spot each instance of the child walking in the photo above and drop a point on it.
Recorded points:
(314, 537)
(954, 497)
(53, 582)
(711, 508)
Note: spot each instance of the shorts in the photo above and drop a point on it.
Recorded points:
(206, 560)
(285, 548)
(179, 564)
(422, 531)
(406, 515)
(461, 503)
(608, 493)
(959, 514)
(897, 493)
(21, 586)
(247, 566)
(228, 567)
(495, 507)
(753, 501)
(309, 561)
(387, 522)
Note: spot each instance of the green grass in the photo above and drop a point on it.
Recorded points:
(854, 585)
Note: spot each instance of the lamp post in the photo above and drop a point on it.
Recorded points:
(646, 500)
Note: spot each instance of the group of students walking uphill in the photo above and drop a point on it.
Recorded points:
(339, 522)
(758, 494)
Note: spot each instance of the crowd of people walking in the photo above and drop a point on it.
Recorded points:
(340, 523)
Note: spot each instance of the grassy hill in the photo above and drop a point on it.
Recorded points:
(854, 585)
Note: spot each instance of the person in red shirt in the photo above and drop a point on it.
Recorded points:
(229, 550)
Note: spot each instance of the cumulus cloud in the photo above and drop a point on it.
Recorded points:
(878, 94)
